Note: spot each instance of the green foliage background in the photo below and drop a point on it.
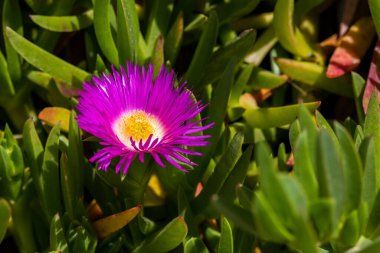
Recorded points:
(278, 176)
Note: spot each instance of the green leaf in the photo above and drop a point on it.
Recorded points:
(330, 174)
(128, 31)
(373, 224)
(6, 82)
(173, 39)
(239, 85)
(103, 32)
(221, 172)
(64, 23)
(195, 245)
(289, 36)
(371, 127)
(82, 238)
(374, 6)
(46, 61)
(75, 157)
(34, 153)
(236, 176)
(322, 214)
(313, 75)
(12, 17)
(352, 168)
(304, 168)
(166, 239)
(268, 224)
(5, 216)
(283, 206)
(158, 22)
(263, 79)
(240, 217)
(236, 50)
(50, 175)
(217, 110)
(198, 21)
(262, 46)
(366, 246)
(358, 86)
(203, 51)
(351, 230)
(106, 226)
(57, 236)
(235, 9)
(368, 156)
(158, 56)
(226, 242)
(275, 116)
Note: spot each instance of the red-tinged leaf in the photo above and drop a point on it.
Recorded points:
(352, 48)
(52, 115)
(108, 225)
(373, 80)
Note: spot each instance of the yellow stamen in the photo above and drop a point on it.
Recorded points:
(138, 126)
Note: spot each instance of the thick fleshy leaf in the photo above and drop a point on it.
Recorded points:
(6, 82)
(173, 39)
(64, 23)
(371, 127)
(12, 17)
(108, 225)
(158, 56)
(158, 23)
(235, 9)
(5, 215)
(50, 174)
(203, 51)
(352, 48)
(166, 239)
(128, 33)
(289, 36)
(195, 245)
(313, 75)
(275, 116)
(358, 84)
(53, 115)
(352, 168)
(262, 46)
(237, 50)
(57, 236)
(305, 169)
(242, 218)
(268, 224)
(226, 242)
(221, 172)
(330, 174)
(103, 32)
(237, 176)
(259, 21)
(263, 79)
(374, 6)
(34, 152)
(46, 61)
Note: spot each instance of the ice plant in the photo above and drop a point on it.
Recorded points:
(134, 114)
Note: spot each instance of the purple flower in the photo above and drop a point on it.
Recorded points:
(134, 114)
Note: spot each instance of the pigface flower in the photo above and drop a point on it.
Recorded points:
(134, 114)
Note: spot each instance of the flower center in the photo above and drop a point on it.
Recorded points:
(137, 125)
